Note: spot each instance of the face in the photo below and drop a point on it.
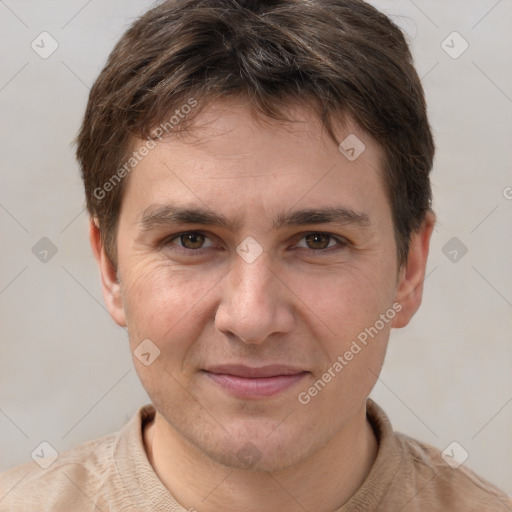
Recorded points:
(253, 255)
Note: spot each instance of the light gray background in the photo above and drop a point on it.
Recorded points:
(65, 370)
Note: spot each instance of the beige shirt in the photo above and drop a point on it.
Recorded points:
(113, 474)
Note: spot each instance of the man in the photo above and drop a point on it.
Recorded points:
(257, 176)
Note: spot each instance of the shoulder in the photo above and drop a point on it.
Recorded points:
(445, 481)
(413, 476)
(84, 478)
(81, 470)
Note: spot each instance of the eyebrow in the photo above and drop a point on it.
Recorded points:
(156, 216)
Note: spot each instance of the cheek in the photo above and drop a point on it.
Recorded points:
(347, 305)
(353, 336)
(344, 298)
(163, 302)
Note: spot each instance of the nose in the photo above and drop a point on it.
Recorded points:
(255, 303)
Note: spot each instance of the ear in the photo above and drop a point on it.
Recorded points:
(109, 281)
(409, 290)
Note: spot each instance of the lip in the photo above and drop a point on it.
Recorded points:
(255, 382)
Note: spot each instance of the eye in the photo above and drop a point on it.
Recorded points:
(190, 241)
(319, 242)
(195, 242)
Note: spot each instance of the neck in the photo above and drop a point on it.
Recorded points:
(324, 481)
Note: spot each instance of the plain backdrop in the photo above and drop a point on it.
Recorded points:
(66, 374)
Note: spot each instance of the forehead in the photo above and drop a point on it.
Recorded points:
(228, 125)
(228, 151)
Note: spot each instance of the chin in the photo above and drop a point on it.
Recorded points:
(259, 450)
(252, 457)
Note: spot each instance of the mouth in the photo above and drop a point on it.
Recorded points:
(255, 382)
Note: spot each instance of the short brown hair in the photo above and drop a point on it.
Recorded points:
(339, 56)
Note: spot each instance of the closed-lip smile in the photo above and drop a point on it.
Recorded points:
(255, 382)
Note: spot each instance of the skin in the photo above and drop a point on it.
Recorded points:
(289, 306)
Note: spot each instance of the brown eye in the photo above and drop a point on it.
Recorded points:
(192, 240)
(318, 240)
(321, 242)
(190, 243)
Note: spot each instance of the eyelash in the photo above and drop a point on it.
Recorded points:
(166, 242)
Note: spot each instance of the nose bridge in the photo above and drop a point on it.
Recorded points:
(253, 282)
(253, 303)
